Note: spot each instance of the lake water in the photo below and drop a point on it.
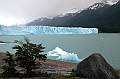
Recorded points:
(81, 44)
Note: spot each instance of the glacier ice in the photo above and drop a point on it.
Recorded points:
(63, 55)
(29, 30)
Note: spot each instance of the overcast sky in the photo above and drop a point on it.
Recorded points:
(28, 10)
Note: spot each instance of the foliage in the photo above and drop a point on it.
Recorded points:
(42, 74)
(72, 74)
(26, 56)
(10, 67)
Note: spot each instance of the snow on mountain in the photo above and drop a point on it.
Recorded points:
(110, 2)
(42, 19)
(96, 6)
(73, 12)
(57, 20)
(102, 4)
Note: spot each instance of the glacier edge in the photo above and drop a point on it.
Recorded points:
(38, 30)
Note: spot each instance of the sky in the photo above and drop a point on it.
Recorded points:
(19, 11)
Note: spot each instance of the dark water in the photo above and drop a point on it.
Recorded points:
(83, 45)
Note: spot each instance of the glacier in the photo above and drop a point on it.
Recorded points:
(63, 55)
(31, 30)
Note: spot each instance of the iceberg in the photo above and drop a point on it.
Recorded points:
(63, 55)
(31, 30)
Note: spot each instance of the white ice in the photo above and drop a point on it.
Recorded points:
(63, 55)
(36, 30)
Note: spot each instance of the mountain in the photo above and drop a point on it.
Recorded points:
(89, 16)
(75, 17)
(104, 15)
(57, 20)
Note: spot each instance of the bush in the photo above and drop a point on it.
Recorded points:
(25, 57)
(72, 74)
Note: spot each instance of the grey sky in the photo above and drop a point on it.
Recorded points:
(29, 10)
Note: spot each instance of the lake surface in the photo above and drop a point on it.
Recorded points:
(81, 44)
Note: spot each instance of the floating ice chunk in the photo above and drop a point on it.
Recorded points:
(2, 43)
(101, 38)
(63, 55)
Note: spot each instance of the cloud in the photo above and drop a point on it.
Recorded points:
(32, 9)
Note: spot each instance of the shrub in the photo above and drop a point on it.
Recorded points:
(25, 57)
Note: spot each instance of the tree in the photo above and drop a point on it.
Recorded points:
(26, 55)
(9, 69)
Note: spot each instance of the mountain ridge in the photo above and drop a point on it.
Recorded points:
(66, 16)
(57, 20)
(86, 17)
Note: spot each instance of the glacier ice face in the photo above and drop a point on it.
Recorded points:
(29, 30)
(63, 55)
